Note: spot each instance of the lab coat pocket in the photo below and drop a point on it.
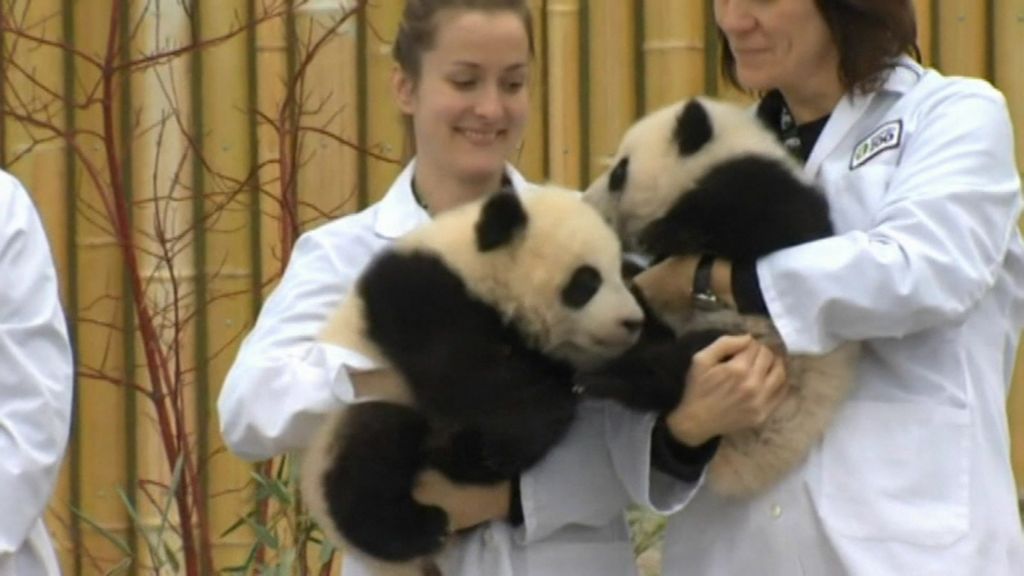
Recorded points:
(897, 471)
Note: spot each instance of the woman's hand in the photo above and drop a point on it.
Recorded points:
(380, 384)
(467, 505)
(732, 384)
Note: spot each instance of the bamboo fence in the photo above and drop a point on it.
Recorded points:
(599, 65)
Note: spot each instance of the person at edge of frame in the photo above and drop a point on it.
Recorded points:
(926, 270)
(36, 381)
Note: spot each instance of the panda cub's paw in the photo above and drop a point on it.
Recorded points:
(652, 375)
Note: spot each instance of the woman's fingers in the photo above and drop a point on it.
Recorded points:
(722, 349)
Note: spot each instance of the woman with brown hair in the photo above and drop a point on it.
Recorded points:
(926, 270)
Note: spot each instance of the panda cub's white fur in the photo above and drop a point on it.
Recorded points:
(705, 176)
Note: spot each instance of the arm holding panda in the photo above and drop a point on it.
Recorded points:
(736, 285)
(941, 236)
(283, 381)
(948, 179)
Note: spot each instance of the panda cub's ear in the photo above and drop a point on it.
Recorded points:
(502, 218)
(693, 128)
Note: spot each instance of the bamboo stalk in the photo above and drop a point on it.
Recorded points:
(674, 47)
(161, 170)
(962, 29)
(101, 403)
(384, 133)
(228, 186)
(923, 12)
(564, 94)
(271, 80)
(532, 154)
(1009, 61)
(612, 77)
(328, 180)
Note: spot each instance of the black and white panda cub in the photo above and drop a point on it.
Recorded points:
(485, 313)
(707, 177)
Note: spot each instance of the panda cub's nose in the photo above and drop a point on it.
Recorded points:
(632, 325)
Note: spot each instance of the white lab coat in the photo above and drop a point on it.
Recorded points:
(283, 382)
(913, 477)
(35, 385)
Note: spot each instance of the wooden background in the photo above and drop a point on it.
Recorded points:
(600, 64)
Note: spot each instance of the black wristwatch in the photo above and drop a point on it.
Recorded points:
(703, 296)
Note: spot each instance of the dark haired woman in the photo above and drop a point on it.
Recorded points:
(927, 270)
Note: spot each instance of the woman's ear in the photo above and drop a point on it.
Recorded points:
(404, 88)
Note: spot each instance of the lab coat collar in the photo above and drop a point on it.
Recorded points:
(904, 74)
(399, 212)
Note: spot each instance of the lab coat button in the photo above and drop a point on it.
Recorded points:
(776, 511)
(488, 536)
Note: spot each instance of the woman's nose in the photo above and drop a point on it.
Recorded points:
(489, 104)
(733, 16)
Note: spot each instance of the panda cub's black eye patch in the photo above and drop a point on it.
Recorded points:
(617, 179)
(583, 285)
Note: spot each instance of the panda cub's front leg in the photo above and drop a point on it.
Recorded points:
(651, 375)
(361, 476)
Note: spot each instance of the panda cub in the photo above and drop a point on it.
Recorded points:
(707, 177)
(485, 314)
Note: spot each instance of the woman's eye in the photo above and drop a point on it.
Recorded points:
(515, 86)
(463, 84)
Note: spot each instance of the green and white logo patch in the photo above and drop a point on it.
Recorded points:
(886, 137)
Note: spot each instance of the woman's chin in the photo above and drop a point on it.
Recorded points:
(483, 167)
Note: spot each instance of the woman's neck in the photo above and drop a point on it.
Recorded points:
(440, 191)
(812, 99)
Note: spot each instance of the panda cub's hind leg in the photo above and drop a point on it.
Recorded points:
(368, 481)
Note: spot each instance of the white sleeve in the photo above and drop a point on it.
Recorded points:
(599, 469)
(283, 381)
(935, 247)
(36, 371)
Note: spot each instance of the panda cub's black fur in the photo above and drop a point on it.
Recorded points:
(485, 325)
(705, 177)
(745, 206)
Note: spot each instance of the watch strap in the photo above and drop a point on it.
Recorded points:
(703, 296)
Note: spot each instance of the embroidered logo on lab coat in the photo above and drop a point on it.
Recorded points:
(885, 137)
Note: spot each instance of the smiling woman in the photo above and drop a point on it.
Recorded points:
(461, 81)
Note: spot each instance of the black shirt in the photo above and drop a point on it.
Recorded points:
(799, 140)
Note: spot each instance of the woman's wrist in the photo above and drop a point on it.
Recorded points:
(674, 279)
(676, 458)
(687, 428)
